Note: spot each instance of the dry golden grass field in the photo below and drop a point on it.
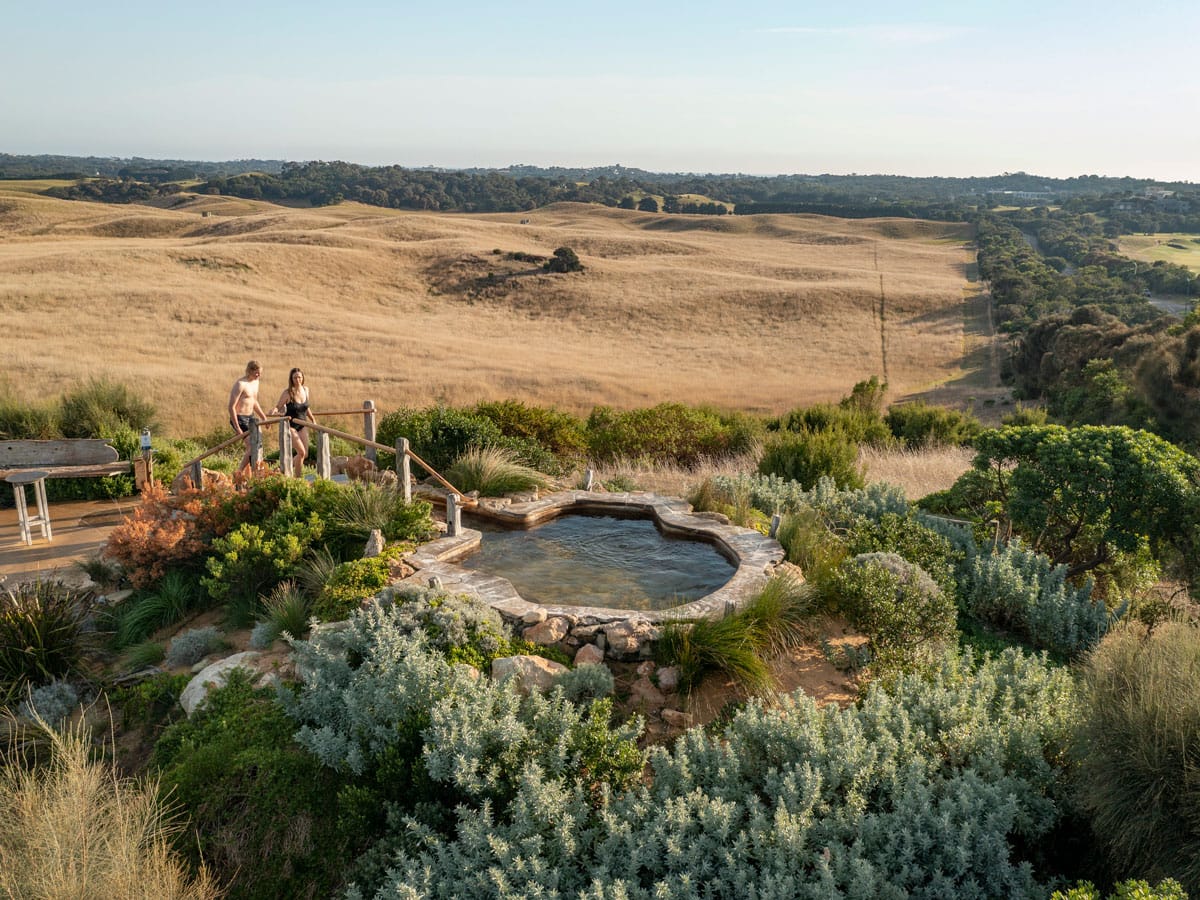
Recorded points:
(760, 313)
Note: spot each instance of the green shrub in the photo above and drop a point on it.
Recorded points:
(263, 811)
(101, 408)
(1026, 415)
(464, 628)
(940, 788)
(350, 584)
(493, 472)
(1139, 750)
(1168, 889)
(586, 683)
(907, 616)
(252, 559)
(42, 635)
(918, 424)
(20, 420)
(151, 700)
(558, 432)
(909, 538)
(806, 456)
(440, 434)
(1024, 592)
(855, 425)
(669, 432)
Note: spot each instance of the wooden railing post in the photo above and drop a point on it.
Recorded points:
(453, 515)
(285, 447)
(198, 474)
(369, 428)
(324, 465)
(256, 448)
(404, 468)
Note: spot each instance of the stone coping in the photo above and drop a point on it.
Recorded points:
(754, 555)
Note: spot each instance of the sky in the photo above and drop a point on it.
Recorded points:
(954, 89)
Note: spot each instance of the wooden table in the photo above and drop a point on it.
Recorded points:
(25, 521)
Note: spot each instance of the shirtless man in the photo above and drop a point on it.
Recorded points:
(243, 406)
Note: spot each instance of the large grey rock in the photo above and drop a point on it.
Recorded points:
(213, 676)
(549, 632)
(532, 672)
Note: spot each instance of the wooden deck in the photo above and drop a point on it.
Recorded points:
(80, 529)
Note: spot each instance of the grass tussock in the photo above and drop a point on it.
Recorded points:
(494, 472)
(74, 828)
(919, 471)
(740, 645)
(1139, 750)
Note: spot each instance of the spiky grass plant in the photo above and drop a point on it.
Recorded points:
(494, 472)
(41, 635)
(714, 645)
(1139, 750)
(289, 609)
(362, 507)
(779, 615)
(75, 828)
(315, 570)
(144, 655)
(103, 571)
(172, 598)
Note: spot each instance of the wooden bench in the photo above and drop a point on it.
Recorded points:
(69, 458)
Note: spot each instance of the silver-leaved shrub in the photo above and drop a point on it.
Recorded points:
(922, 791)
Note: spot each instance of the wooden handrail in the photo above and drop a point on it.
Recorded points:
(345, 435)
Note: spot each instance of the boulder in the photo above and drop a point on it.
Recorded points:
(532, 672)
(629, 638)
(534, 616)
(589, 655)
(643, 693)
(213, 676)
(375, 544)
(668, 679)
(551, 631)
(358, 468)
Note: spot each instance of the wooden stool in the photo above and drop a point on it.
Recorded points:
(24, 520)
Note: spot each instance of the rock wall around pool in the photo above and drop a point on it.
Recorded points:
(616, 633)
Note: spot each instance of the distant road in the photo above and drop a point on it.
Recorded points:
(1175, 307)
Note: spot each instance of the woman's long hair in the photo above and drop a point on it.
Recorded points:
(293, 388)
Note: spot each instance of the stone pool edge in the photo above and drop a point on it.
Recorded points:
(754, 555)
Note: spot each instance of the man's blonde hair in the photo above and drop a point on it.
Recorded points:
(252, 367)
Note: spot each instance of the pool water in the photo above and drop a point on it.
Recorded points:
(588, 560)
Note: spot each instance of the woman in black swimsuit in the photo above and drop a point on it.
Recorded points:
(293, 403)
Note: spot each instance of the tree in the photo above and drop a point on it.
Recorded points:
(1085, 495)
(648, 204)
(626, 202)
(564, 260)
